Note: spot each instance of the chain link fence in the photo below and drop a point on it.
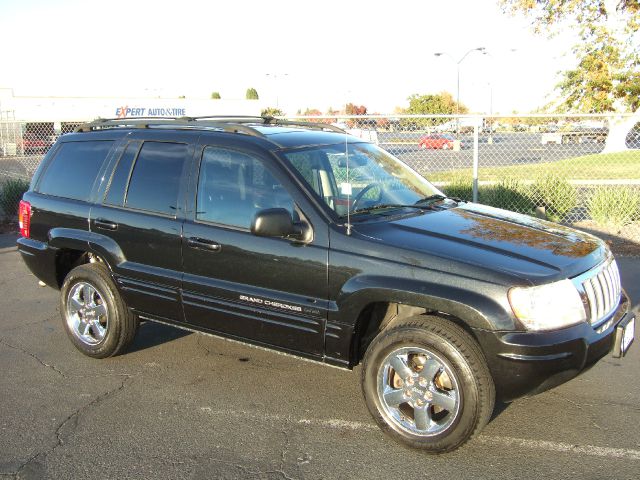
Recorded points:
(579, 170)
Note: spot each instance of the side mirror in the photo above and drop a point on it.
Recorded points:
(277, 222)
(272, 222)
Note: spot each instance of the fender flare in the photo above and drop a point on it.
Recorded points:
(103, 246)
(476, 310)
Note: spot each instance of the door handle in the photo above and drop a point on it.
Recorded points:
(105, 224)
(204, 244)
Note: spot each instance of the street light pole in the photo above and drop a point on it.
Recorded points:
(275, 79)
(439, 54)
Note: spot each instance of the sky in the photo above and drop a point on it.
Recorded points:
(296, 54)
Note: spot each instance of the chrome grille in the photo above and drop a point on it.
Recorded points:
(602, 289)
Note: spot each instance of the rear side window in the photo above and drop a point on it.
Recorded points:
(118, 185)
(73, 170)
(155, 180)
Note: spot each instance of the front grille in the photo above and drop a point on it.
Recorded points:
(602, 289)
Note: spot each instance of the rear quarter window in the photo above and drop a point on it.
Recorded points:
(73, 170)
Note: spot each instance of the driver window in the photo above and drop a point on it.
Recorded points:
(233, 187)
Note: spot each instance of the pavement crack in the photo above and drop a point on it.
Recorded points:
(34, 356)
(207, 352)
(75, 416)
(70, 423)
(248, 472)
(26, 464)
(283, 457)
(204, 348)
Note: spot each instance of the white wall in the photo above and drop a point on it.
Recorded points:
(59, 109)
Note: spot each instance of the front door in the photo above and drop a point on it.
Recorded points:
(271, 291)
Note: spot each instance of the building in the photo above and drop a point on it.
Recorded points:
(28, 122)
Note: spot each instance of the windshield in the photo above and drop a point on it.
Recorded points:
(375, 178)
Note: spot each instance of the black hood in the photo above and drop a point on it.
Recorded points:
(529, 248)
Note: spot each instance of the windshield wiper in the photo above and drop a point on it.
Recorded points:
(383, 206)
(437, 196)
(431, 198)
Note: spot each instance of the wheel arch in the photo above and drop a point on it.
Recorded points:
(376, 309)
(76, 247)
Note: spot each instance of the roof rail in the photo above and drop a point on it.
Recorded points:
(229, 124)
(293, 123)
(232, 124)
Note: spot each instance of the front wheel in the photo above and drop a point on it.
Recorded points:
(94, 315)
(427, 385)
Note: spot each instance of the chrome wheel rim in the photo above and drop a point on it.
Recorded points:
(87, 315)
(418, 392)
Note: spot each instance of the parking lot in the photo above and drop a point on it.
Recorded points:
(505, 149)
(184, 405)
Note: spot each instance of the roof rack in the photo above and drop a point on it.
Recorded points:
(313, 125)
(229, 124)
(232, 124)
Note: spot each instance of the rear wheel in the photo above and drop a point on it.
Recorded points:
(427, 385)
(94, 315)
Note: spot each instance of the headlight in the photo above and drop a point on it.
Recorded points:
(547, 307)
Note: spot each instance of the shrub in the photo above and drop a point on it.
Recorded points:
(271, 112)
(11, 194)
(509, 194)
(460, 186)
(556, 194)
(614, 207)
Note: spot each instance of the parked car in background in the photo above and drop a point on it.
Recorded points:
(33, 143)
(437, 141)
(633, 138)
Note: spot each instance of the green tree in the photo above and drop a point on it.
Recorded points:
(438, 104)
(606, 76)
(215, 96)
(252, 94)
(271, 112)
(430, 104)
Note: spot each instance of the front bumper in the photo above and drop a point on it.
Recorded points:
(527, 363)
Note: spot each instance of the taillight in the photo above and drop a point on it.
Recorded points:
(24, 218)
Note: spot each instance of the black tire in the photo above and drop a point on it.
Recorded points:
(94, 315)
(449, 350)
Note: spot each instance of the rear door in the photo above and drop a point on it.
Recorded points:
(271, 291)
(139, 222)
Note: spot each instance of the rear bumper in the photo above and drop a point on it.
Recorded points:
(527, 363)
(40, 258)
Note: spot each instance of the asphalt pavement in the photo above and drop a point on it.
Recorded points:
(506, 149)
(184, 405)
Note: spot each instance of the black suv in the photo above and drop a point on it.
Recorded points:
(301, 238)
